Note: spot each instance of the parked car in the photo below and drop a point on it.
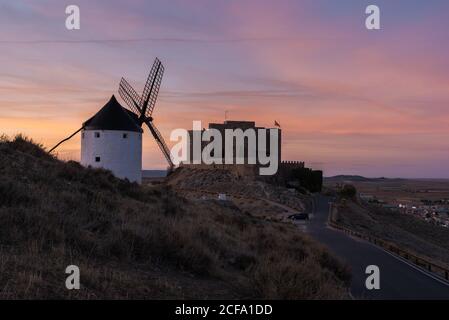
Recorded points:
(299, 216)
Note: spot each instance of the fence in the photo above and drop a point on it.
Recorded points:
(424, 263)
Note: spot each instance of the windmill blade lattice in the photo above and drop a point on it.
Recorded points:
(160, 141)
(143, 105)
(151, 89)
(130, 96)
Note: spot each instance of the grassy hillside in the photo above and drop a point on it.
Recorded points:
(131, 241)
(407, 231)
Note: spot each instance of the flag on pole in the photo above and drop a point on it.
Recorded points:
(277, 124)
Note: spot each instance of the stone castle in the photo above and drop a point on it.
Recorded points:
(289, 173)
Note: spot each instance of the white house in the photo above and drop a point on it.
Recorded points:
(112, 139)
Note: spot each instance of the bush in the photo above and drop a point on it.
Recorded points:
(348, 191)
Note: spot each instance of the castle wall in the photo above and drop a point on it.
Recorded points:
(233, 125)
(240, 170)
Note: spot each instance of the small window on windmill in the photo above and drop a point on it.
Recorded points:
(97, 159)
(97, 134)
(82, 135)
(125, 136)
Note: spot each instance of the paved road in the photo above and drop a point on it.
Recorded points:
(398, 280)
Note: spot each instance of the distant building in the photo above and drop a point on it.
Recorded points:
(290, 173)
(235, 125)
(366, 197)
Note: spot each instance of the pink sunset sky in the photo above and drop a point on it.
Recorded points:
(350, 101)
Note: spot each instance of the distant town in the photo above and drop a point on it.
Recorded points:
(427, 199)
(434, 211)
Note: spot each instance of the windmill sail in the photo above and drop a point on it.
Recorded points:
(151, 89)
(160, 141)
(130, 96)
(143, 105)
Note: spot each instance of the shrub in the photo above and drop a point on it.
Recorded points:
(348, 191)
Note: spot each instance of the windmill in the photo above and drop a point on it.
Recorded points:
(112, 138)
(143, 106)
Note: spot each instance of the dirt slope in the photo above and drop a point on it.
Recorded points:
(224, 181)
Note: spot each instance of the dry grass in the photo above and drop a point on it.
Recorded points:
(226, 181)
(405, 230)
(142, 242)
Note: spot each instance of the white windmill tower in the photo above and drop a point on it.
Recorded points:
(112, 138)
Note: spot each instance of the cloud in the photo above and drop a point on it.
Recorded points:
(348, 99)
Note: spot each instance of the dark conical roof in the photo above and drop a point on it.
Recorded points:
(113, 117)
